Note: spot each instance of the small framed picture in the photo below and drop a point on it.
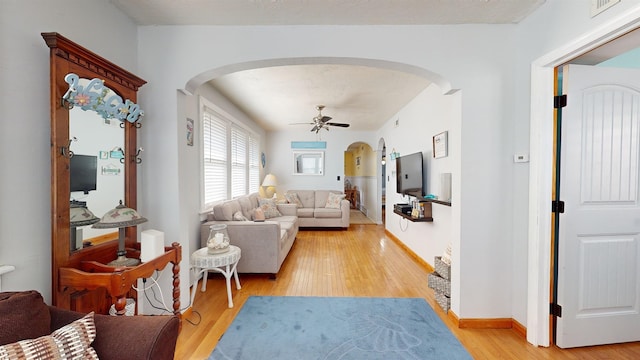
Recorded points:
(104, 155)
(440, 145)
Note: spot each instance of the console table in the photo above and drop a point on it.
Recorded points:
(92, 275)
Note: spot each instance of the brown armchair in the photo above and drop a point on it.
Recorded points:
(24, 315)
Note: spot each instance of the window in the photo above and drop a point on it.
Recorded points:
(230, 159)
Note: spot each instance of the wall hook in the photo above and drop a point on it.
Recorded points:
(136, 157)
(66, 150)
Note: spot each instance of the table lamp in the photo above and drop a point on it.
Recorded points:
(120, 217)
(269, 185)
(79, 216)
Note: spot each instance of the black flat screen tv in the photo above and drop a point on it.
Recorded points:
(409, 175)
(84, 171)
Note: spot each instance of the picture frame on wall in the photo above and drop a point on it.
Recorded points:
(440, 145)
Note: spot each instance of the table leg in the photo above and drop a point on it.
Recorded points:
(204, 280)
(235, 274)
(227, 276)
(196, 273)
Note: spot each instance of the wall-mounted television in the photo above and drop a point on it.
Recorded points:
(409, 175)
(84, 172)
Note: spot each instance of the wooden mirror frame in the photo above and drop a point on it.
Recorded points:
(68, 57)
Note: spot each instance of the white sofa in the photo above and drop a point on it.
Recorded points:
(314, 212)
(264, 245)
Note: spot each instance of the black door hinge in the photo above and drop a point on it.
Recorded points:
(555, 310)
(559, 101)
(557, 207)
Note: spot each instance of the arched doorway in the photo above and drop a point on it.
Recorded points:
(360, 178)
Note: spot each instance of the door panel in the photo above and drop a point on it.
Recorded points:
(598, 254)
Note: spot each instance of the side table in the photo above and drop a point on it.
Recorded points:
(224, 263)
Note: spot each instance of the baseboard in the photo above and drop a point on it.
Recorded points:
(499, 323)
(415, 256)
(519, 329)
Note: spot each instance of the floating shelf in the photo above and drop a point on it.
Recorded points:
(411, 218)
(445, 203)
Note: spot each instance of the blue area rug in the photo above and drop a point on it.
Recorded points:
(276, 327)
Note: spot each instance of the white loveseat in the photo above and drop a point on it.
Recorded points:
(315, 213)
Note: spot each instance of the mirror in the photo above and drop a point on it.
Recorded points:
(308, 162)
(96, 174)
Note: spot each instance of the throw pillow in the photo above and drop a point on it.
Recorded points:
(293, 198)
(333, 200)
(72, 341)
(238, 216)
(269, 208)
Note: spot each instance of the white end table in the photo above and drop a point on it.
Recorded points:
(224, 263)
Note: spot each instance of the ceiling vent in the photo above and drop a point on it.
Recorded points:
(598, 6)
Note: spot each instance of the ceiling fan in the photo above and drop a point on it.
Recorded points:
(322, 122)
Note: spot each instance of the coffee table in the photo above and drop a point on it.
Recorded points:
(225, 263)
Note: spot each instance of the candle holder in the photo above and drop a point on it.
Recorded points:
(218, 241)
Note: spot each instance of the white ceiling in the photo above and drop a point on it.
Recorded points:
(362, 96)
(324, 12)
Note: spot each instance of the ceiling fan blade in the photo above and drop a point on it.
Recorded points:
(315, 128)
(305, 123)
(324, 119)
(338, 124)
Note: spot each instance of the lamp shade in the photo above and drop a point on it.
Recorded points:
(81, 216)
(120, 216)
(270, 180)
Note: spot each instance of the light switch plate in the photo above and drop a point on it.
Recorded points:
(521, 158)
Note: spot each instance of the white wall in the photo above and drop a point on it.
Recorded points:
(430, 113)
(280, 161)
(25, 151)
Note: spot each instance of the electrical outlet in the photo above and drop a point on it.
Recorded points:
(521, 158)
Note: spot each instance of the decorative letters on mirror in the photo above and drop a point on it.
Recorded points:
(103, 101)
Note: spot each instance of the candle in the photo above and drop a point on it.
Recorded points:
(219, 239)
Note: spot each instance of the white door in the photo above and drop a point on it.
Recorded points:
(599, 250)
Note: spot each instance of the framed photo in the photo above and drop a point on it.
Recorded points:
(440, 145)
(104, 155)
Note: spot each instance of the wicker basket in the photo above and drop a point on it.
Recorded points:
(442, 269)
(443, 300)
(439, 284)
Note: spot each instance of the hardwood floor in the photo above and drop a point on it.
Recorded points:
(361, 261)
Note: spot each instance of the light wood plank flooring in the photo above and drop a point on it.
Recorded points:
(361, 261)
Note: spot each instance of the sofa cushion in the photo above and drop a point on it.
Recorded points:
(321, 198)
(226, 210)
(246, 206)
(305, 212)
(72, 341)
(269, 208)
(324, 213)
(333, 200)
(307, 197)
(24, 316)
